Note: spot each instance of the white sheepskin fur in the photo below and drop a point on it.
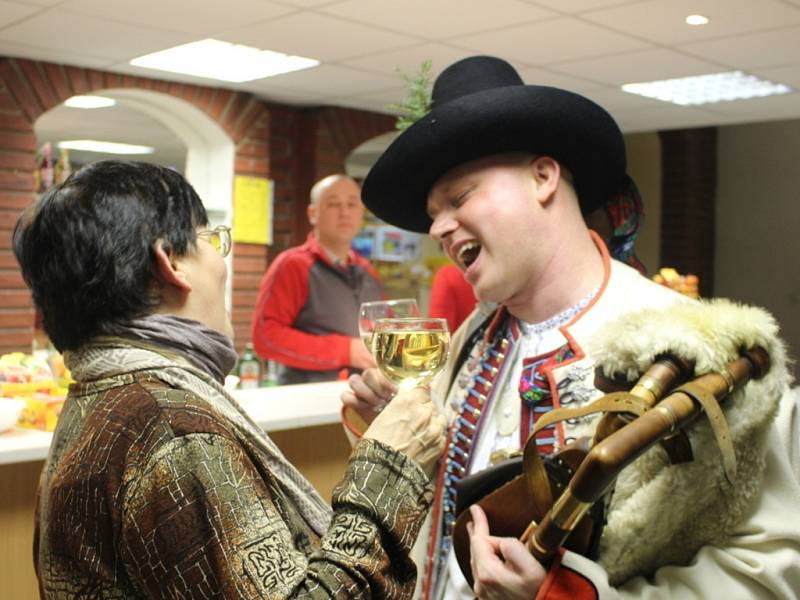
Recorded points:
(661, 514)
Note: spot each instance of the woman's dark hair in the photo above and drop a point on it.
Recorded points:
(86, 246)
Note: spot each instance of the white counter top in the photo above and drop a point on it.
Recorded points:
(274, 409)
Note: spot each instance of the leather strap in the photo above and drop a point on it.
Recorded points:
(536, 477)
(616, 402)
(718, 424)
(533, 466)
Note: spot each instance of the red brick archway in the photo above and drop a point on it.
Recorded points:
(30, 88)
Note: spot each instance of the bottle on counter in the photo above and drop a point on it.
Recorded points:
(269, 376)
(249, 369)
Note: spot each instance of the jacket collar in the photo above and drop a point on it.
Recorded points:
(318, 250)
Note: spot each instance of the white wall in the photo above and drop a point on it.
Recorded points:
(757, 250)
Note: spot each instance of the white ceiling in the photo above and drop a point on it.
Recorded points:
(589, 46)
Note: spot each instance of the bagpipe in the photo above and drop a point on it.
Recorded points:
(560, 500)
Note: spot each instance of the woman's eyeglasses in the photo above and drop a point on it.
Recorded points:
(219, 237)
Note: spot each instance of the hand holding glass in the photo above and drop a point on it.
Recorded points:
(383, 309)
(410, 351)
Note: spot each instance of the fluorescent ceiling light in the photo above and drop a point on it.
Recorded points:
(105, 147)
(89, 102)
(696, 20)
(706, 89)
(214, 59)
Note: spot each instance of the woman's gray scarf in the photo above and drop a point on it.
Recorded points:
(207, 348)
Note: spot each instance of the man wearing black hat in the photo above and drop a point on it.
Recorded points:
(503, 174)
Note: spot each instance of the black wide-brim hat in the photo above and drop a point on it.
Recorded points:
(481, 107)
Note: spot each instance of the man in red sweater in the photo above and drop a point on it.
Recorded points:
(306, 316)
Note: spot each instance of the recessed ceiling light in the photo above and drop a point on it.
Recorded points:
(223, 61)
(89, 102)
(706, 89)
(696, 20)
(105, 147)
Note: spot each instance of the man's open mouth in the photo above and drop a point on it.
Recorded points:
(468, 253)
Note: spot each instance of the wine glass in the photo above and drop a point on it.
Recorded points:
(410, 351)
(383, 309)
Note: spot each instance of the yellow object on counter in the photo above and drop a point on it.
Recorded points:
(688, 285)
(41, 412)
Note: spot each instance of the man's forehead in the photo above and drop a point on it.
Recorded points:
(341, 188)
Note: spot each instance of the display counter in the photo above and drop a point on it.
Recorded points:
(303, 420)
(274, 409)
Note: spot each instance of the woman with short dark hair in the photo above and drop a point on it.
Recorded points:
(157, 484)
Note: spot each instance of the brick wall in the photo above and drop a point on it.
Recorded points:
(293, 146)
(309, 144)
(30, 88)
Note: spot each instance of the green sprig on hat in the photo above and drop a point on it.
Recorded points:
(417, 102)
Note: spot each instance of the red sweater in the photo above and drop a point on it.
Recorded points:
(451, 297)
(307, 311)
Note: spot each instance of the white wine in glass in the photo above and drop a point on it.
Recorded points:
(370, 312)
(410, 351)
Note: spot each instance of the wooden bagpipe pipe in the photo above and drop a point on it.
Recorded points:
(555, 501)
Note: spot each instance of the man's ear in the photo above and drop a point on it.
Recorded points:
(547, 173)
(311, 211)
(168, 270)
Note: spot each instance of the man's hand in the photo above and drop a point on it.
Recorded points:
(360, 357)
(369, 393)
(411, 424)
(502, 568)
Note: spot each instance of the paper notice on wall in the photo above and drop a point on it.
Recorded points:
(252, 210)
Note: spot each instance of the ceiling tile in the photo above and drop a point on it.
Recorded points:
(548, 42)
(384, 97)
(784, 104)
(334, 80)
(634, 67)
(11, 12)
(60, 30)
(308, 3)
(536, 76)
(206, 17)
(409, 59)
(664, 22)
(665, 117)
(576, 6)
(789, 75)
(770, 48)
(43, 2)
(68, 58)
(438, 20)
(317, 36)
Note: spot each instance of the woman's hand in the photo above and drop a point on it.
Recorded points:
(411, 424)
(369, 393)
(502, 568)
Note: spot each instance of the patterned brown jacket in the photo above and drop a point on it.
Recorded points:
(150, 491)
